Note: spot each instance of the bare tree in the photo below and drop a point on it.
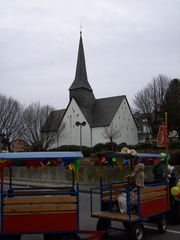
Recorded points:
(51, 137)
(34, 117)
(11, 126)
(150, 99)
(172, 105)
(111, 133)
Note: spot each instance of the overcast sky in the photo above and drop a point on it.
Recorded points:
(126, 44)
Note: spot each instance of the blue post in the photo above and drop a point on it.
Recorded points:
(77, 184)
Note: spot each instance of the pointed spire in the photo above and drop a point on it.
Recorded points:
(81, 80)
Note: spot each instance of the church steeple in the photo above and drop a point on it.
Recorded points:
(81, 80)
(80, 88)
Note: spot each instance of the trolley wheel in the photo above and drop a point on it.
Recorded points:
(162, 224)
(10, 237)
(102, 224)
(66, 236)
(137, 231)
(52, 236)
(176, 212)
(127, 225)
(70, 236)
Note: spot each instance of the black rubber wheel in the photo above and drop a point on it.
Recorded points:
(10, 237)
(176, 212)
(127, 225)
(102, 225)
(52, 236)
(137, 232)
(162, 224)
(70, 236)
(67, 236)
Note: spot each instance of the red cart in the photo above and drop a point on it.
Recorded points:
(51, 211)
(152, 200)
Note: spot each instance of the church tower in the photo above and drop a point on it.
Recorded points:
(80, 89)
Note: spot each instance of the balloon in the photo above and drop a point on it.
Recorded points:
(178, 196)
(175, 191)
(178, 185)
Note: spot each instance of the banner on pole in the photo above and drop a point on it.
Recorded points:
(162, 135)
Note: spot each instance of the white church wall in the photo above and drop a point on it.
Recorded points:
(97, 136)
(124, 122)
(72, 132)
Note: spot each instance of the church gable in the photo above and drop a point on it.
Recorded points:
(104, 110)
(124, 122)
(73, 115)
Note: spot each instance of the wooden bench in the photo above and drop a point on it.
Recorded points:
(117, 216)
(39, 204)
(153, 192)
(116, 190)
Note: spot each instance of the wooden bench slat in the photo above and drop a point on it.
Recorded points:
(114, 216)
(34, 213)
(35, 199)
(39, 208)
(152, 188)
(107, 199)
(151, 195)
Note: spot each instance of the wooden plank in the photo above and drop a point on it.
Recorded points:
(39, 199)
(153, 188)
(107, 194)
(119, 186)
(39, 208)
(43, 191)
(152, 195)
(107, 199)
(115, 216)
(35, 213)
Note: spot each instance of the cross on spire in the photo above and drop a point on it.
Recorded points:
(81, 27)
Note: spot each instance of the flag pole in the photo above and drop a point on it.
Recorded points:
(166, 124)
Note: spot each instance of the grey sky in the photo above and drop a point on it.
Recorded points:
(126, 43)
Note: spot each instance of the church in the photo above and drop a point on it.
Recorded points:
(87, 121)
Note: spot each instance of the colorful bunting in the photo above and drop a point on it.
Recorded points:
(42, 164)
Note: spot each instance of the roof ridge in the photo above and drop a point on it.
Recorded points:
(111, 97)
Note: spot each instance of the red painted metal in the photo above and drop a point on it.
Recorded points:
(155, 206)
(40, 222)
(94, 235)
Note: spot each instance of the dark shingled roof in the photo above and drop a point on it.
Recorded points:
(104, 110)
(53, 121)
(81, 80)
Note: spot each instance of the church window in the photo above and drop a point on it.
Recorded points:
(70, 121)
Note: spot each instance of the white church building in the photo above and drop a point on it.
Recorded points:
(87, 121)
